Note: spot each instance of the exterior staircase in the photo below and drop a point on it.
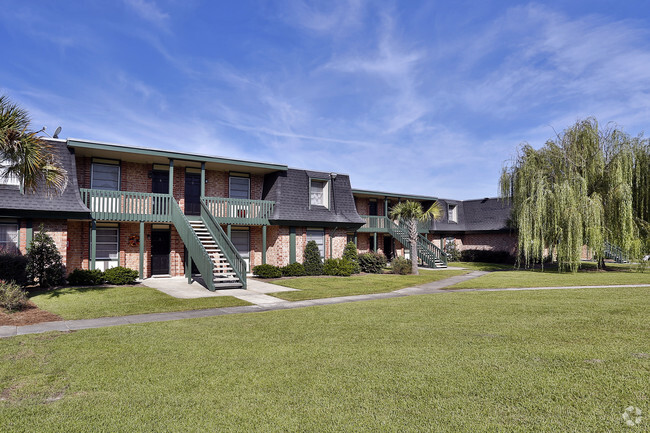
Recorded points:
(431, 255)
(223, 275)
(615, 253)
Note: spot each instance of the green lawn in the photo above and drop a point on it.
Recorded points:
(480, 266)
(552, 361)
(550, 278)
(328, 287)
(92, 302)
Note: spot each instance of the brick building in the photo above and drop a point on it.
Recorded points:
(171, 213)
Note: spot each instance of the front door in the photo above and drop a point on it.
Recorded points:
(159, 185)
(160, 250)
(388, 247)
(192, 194)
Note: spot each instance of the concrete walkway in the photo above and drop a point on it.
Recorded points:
(430, 288)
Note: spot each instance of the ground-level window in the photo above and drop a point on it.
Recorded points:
(350, 238)
(450, 244)
(318, 236)
(241, 240)
(108, 243)
(8, 237)
(105, 175)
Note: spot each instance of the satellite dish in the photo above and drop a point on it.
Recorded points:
(57, 132)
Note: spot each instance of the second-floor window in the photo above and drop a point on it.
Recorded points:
(7, 179)
(452, 214)
(318, 193)
(240, 187)
(105, 175)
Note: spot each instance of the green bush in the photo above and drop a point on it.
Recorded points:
(372, 263)
(338, 267)
(487, 256)
(313, 263)
(401, 266)
(12, 296)
(83, 277)
(351, 254)
(293, 270)
(267, 271)
(44, 264)
(120, 275)
(13, 267)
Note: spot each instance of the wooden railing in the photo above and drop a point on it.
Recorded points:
(381, 224)
(615, 253)
(127, 205)
(195, 248)
(239, 211)
(235, 260)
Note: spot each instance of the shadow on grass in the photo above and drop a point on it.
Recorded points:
(66, 290)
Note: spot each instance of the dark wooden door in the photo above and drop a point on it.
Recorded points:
(160, 249)
(192, 194)
(372, 208)
(159, 185)
(388, 247)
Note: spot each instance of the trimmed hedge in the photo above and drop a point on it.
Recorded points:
(401, 266)
(84, 277)
(313, 263)
(338, 267)
(351, 254)
(44, 263)
(13, 268)
(293, 270)
(120, 276)
(267, 271)
(487, 256)
(12, 296)
(372, 263)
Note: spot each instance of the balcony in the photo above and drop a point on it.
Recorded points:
(150, 207)
(380, 224)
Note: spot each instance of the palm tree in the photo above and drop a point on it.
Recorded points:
(25, 155)
(410, 212)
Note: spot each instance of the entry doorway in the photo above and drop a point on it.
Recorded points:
(160, 251)
(389, 249)
(192, 193)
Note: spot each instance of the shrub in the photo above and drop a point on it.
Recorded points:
(338, 267)
(401, 266)
(83, 277)
(488, 256)
(453, 253)
(120, 275)
(12, 296)
(44, 264)
(293, 270)
(267, 271)
(351, 254)
(313, 263)
(372, 263)
(13, 267)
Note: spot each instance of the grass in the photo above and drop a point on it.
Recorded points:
(552, 278)
(552, 361)
(328, 287)
(481, 266)
(92, 302)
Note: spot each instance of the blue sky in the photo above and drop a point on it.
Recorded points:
(406, 96)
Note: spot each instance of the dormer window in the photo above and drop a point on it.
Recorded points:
(452, 214)
(318, 193)
(7, 179)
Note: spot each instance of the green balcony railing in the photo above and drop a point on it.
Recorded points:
(239, 211)
(381, 224)
(225, 244)
(127, 205)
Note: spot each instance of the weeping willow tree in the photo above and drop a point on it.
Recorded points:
(587, 186)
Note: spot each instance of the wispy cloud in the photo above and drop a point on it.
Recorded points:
(149, 10)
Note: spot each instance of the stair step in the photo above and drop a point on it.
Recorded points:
(228, 286)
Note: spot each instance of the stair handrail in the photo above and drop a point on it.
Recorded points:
(228, 249)
(435, 250)
(195, 248)
(615, 252)
(426, 250)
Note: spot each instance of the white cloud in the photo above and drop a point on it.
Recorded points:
(149, 11)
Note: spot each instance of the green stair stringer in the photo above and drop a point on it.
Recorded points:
(226, 246)
(430, 254)
(195, 248)
(615, 253)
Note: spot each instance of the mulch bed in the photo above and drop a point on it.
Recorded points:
(29, 315)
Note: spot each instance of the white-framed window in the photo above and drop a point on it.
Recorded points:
(108, 243)
(241, 240)
(105, 175)
(452, 213)
(9, 237)
(7, 180)
(318, 236)
(318, 193)
(240, 187)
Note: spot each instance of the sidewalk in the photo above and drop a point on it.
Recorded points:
(278, 304)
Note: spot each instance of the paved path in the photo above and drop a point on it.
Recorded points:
(430, 288)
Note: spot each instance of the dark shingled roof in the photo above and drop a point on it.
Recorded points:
(38, 204)
(488, 214)
(290, 191)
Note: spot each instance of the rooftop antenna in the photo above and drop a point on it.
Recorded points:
(57, 132)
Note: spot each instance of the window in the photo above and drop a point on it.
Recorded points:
(108, 243)
(239, 187)
(9, 238)
(105, 176)
(240, 239)
(318, 193)
(350, 238)
(7, 180)
(318, 236)
(372, 207)
(452, 215)
(450, 244)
